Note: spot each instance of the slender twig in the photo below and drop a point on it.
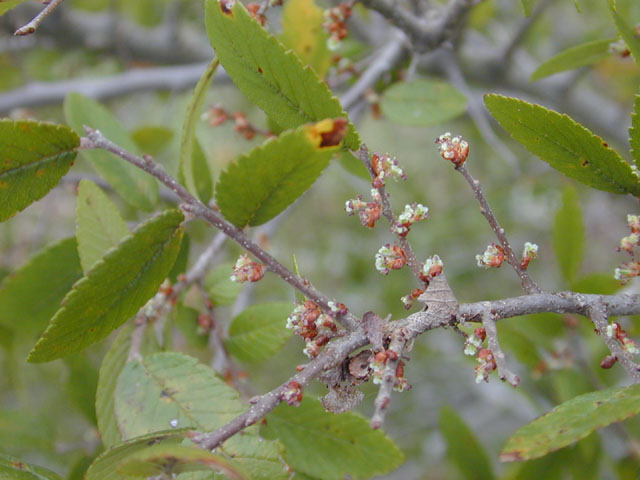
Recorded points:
(521, 32)
(528, 284)
(504, 373)
(387, 210)
(598, 315)
(397, 345)
(38, 19)
(388, 57)
(95, 139)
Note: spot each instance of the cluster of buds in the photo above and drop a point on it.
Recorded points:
(614, 330)
(390, 257)
(529, 252)
(432, 267)
(369, 212)
(336, 23)
(492, 257)
(385, 166)
(619, 48)
(453, 149)
(474, 342)
(408, 300)
(247, 270)
(412, 213)
(217, 115)
(256, 11)
(487, 365)
(379, 365)
(628, 270)
(292, 393)
(314, 326)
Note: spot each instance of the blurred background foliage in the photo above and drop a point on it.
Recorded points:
(46, 411)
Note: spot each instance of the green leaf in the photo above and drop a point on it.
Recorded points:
(135, 186)
(628, 33)
(99, 225)
(269, 75)
(112, 365)
(259, 332)
(527, 6)
(152, 139)
(634, 130)
(114, 289)
(218, 284)
(566, 145)
(571, 421)
(31, 295)
(463, 448)
(574, 57)
(193, 163)
(7, 5)
(180, 266)
(331, 446)
(260, 185)
(172, 389)
(82, 383)
(13, 469)
(302, 31)
(105, 466)
(260, 458)
(424, 103)
(170, 459)
(35, 156)
(568, 234)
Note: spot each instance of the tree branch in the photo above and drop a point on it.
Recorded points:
(95, 139)
(528, 284)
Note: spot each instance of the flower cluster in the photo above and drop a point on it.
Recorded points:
(408, 300)
(379, 364)
(628, 270)
(492, 257)
(314, 326)
(412, 213)
(336, 23)
(369, 212)
(487, 365)
(385, 166)
(431, 268)
(529, 252)
(614, 330)
(474, 341)
(292, 393)
(453, 149)
(255, 10)
(390, 257)
(246, 269)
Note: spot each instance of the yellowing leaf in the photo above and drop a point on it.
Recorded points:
(302, 31)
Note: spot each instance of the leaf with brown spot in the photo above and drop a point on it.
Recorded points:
(564, 144)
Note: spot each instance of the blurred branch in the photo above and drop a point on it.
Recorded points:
(428, 33)
(162, 44)
(35, 94)
(31, 27)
